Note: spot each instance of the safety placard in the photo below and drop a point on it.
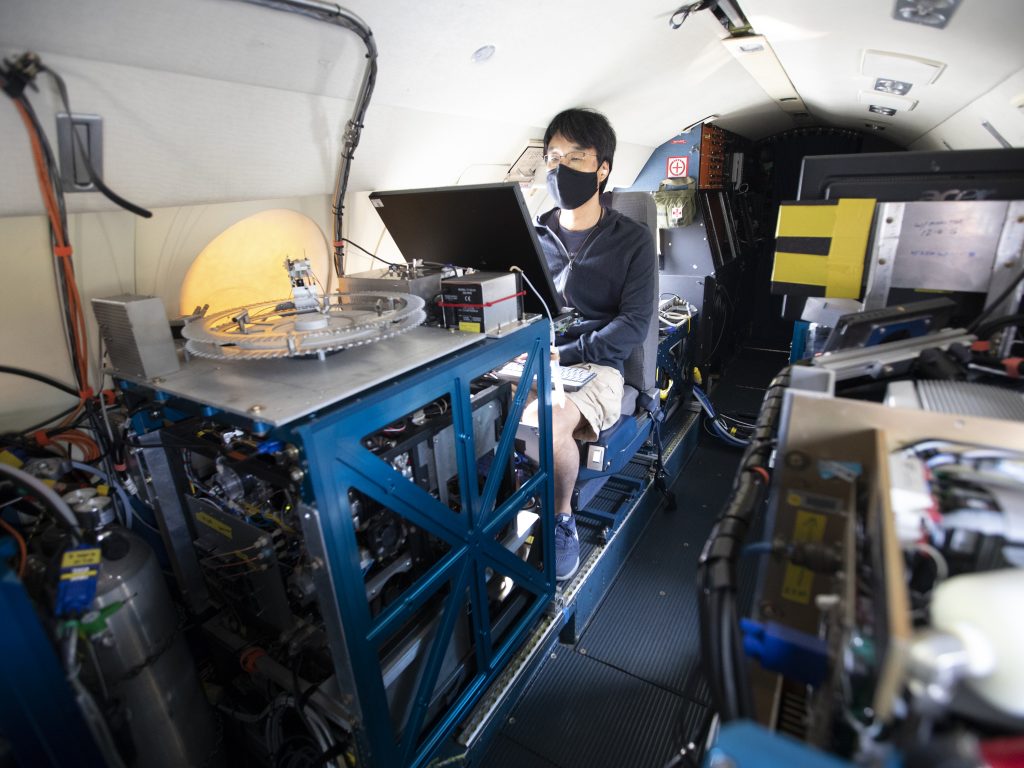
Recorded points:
(677, 167)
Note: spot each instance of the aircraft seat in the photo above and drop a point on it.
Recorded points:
(641, 405)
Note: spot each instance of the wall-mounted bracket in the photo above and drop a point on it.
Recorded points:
(73, 171)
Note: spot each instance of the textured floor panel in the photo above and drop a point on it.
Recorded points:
(580, 713)
(648, 624)
(506, 753)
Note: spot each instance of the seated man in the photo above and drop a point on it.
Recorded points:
(602, 263)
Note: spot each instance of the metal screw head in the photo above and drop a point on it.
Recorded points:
(797, 460)
(883, 260)
(256, 408)
(296, 474)
(888, 219)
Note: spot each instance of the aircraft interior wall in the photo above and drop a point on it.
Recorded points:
(203, 155)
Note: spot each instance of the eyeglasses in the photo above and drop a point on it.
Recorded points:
(572, 159)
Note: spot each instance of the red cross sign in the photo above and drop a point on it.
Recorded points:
(676, 167)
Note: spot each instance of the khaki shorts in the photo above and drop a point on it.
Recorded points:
(599, 401)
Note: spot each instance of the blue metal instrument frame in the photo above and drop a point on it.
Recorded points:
(338, 461)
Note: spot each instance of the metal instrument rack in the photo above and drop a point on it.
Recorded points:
(452, 595)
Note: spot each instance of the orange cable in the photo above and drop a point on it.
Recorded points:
(762, 472)
(49, 200)
(80, 349)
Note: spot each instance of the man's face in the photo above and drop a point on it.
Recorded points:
(577, 157)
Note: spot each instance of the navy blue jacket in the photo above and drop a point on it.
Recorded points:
(610, 284)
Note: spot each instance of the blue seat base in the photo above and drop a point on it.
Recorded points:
(621, 442)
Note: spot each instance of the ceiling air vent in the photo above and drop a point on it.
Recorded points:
(931, 13)
(894, 87)
(886, 101)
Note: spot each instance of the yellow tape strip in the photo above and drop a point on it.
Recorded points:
(848, 250)
(806, 220)
(800, 268)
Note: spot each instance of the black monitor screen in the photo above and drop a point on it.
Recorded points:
(974, 174)
(485, 227)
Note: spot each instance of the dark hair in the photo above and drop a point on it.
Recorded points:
(588, 128)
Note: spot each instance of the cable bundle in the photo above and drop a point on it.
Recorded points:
(719, 426)
(83, 427)
(721, 647)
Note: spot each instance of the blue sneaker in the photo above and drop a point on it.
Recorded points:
(567, 547)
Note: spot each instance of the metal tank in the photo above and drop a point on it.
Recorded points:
(144, 659)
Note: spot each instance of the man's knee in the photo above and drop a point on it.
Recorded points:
(565, 419)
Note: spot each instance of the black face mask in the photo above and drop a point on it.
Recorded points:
(570, 188)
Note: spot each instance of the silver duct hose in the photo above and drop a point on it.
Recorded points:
(333, 14)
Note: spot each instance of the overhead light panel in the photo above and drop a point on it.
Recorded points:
(878, 110)
(899, 67)
(755, 53)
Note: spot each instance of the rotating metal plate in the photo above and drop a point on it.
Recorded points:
(273, 329)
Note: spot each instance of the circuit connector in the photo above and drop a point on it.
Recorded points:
(19, 73)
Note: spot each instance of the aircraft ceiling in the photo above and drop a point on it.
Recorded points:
(173, 68)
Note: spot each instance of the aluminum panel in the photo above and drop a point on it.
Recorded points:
(948, 245)
(277, 392)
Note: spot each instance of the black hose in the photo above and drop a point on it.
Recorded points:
(84, 154)
(986, 330)
(40, 378)
(40, 424)
(995, 303)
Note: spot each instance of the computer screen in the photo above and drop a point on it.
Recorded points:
(485, 227)
(974, 174)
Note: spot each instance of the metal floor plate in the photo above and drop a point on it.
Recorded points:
(582, 713)
(648, 624)
(507, 753)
